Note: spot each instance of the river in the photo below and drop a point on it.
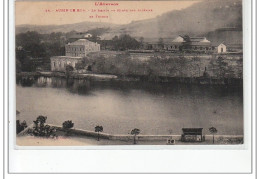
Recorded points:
(154, 108)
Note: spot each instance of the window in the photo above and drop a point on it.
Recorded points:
(222, 49)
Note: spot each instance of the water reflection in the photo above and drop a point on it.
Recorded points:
(120, 106)
(84, 87)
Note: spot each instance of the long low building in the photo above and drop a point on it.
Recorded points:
(59, 63)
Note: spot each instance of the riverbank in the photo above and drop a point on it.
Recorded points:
(30, 76)
(85, 137)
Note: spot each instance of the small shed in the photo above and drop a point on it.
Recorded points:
(222, 48)
(192, 135)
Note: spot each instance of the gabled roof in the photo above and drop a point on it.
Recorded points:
(81, 42)
(187, 38)
(222, 43)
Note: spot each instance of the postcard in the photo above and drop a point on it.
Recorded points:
(94, 73)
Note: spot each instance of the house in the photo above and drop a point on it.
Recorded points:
(75, 52)
(59, 63)
(197, 44)
(81, 48)
(221, 48)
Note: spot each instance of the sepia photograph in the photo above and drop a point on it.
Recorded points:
(93, 73)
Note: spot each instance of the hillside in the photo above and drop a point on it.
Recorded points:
(228, 36)
(79, 27)
(200, 18)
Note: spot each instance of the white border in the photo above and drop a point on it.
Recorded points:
(137, 160)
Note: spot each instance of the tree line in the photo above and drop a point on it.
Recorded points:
(33, 50)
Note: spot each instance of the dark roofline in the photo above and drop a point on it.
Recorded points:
(191, 129)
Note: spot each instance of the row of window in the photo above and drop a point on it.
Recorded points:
(82, 48)
(60, 64)
(75, 49)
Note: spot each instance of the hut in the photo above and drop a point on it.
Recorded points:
(192, 135)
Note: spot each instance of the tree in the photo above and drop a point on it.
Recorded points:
(161, 43)
(68, 70)
(67, 124)
(98, 129)
(135, 132)
(141, 40)
(213, 131)
(125, 42)
(42, 130)
(20, 126)
(80, 66)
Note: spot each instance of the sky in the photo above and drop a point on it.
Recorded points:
(52, 12)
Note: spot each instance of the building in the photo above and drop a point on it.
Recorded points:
(75, 52)
(192, 135)
(221, 48)
(59, 63)
(175, 45)
(81, 48)
(189, 44)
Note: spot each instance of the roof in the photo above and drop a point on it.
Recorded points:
(179, 39)
(222, 44)
(62, 57)
(186, 38)
(81, 42)
(199, 39)
(192, 131)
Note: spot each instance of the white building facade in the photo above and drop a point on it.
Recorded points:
(81, 48)
(222, 48)
(75, 52)
(59, 63)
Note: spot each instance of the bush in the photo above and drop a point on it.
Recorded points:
(67, 124)
(20, 126)
(40, 129)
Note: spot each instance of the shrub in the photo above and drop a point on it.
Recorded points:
(40, 129)
(67, 124)
(20, 126)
